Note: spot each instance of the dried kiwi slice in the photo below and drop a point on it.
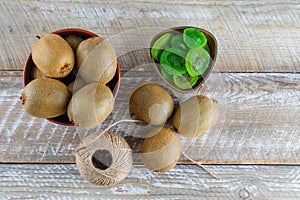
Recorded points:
(159, 45)
(185, 81)
(166, 74)
(206, 47)
(173, 60)
(178, 43)
(194, 38)
(197, 61)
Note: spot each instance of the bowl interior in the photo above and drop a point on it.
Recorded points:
(114, 84)
(212, 44)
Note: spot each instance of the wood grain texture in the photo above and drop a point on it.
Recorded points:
(57, 181)
(253, 36)
(259, 121)
(256, 81)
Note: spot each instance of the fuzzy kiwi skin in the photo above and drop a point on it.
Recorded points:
(36, 73)
(85, 47)
(76, 85)
(151, 103)
(73, 41)
(53, 56)
(195, 116)
(90, 105)
(45, 98)
(161, 149)
(96, 60)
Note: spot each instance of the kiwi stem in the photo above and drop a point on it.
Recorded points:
(201, 166)
(23, 99)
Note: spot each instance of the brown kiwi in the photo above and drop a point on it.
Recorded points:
(161, 149)
(36, 73)
(45, 98)
(96, 60)
(76, 85)
(73, 41)
(90, 105)
(195, 116)
(53, 56)
(151, 103)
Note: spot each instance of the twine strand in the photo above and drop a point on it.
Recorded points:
(201, 166)
(116, 123)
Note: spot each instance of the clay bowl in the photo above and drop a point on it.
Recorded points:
(212, 44)
(114, 84)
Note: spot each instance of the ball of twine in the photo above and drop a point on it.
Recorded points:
(104, 158)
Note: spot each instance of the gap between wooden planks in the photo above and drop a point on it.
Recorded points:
(60, 181)
(253, 36)
(261, 125)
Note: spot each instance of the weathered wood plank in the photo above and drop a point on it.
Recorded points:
(259, 121)
(253, 36)
(57, 181)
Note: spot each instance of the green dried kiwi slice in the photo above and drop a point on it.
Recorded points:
(173, 61)
(194, 38)
(206, 47)
(166, 74)
(185, 81)
(197, 61)
(178, 43)
(159, 45)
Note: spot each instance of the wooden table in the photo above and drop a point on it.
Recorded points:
(254, 149)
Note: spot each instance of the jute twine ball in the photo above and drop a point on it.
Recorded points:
(104, 158)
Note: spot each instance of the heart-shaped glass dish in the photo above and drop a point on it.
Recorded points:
(213, 48)
(113, 84)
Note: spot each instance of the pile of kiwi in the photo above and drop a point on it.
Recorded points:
(152, 104)
(69, 79)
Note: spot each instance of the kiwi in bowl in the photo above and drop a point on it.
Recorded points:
(184, 56)
(53, 60)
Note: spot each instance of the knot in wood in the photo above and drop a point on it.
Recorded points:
(244, 194)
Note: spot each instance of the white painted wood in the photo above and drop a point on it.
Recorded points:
(63, 181)
(253, 36)
(259, 121)
(262, 110)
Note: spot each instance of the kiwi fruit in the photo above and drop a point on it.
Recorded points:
(36, 73)
(73, 41)
(195, 116)
(85, 48)
(76, 85)
(53, 56)
(90, 105)
(161, 149)
(45, 98)
(96, 60)
(151, 103)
